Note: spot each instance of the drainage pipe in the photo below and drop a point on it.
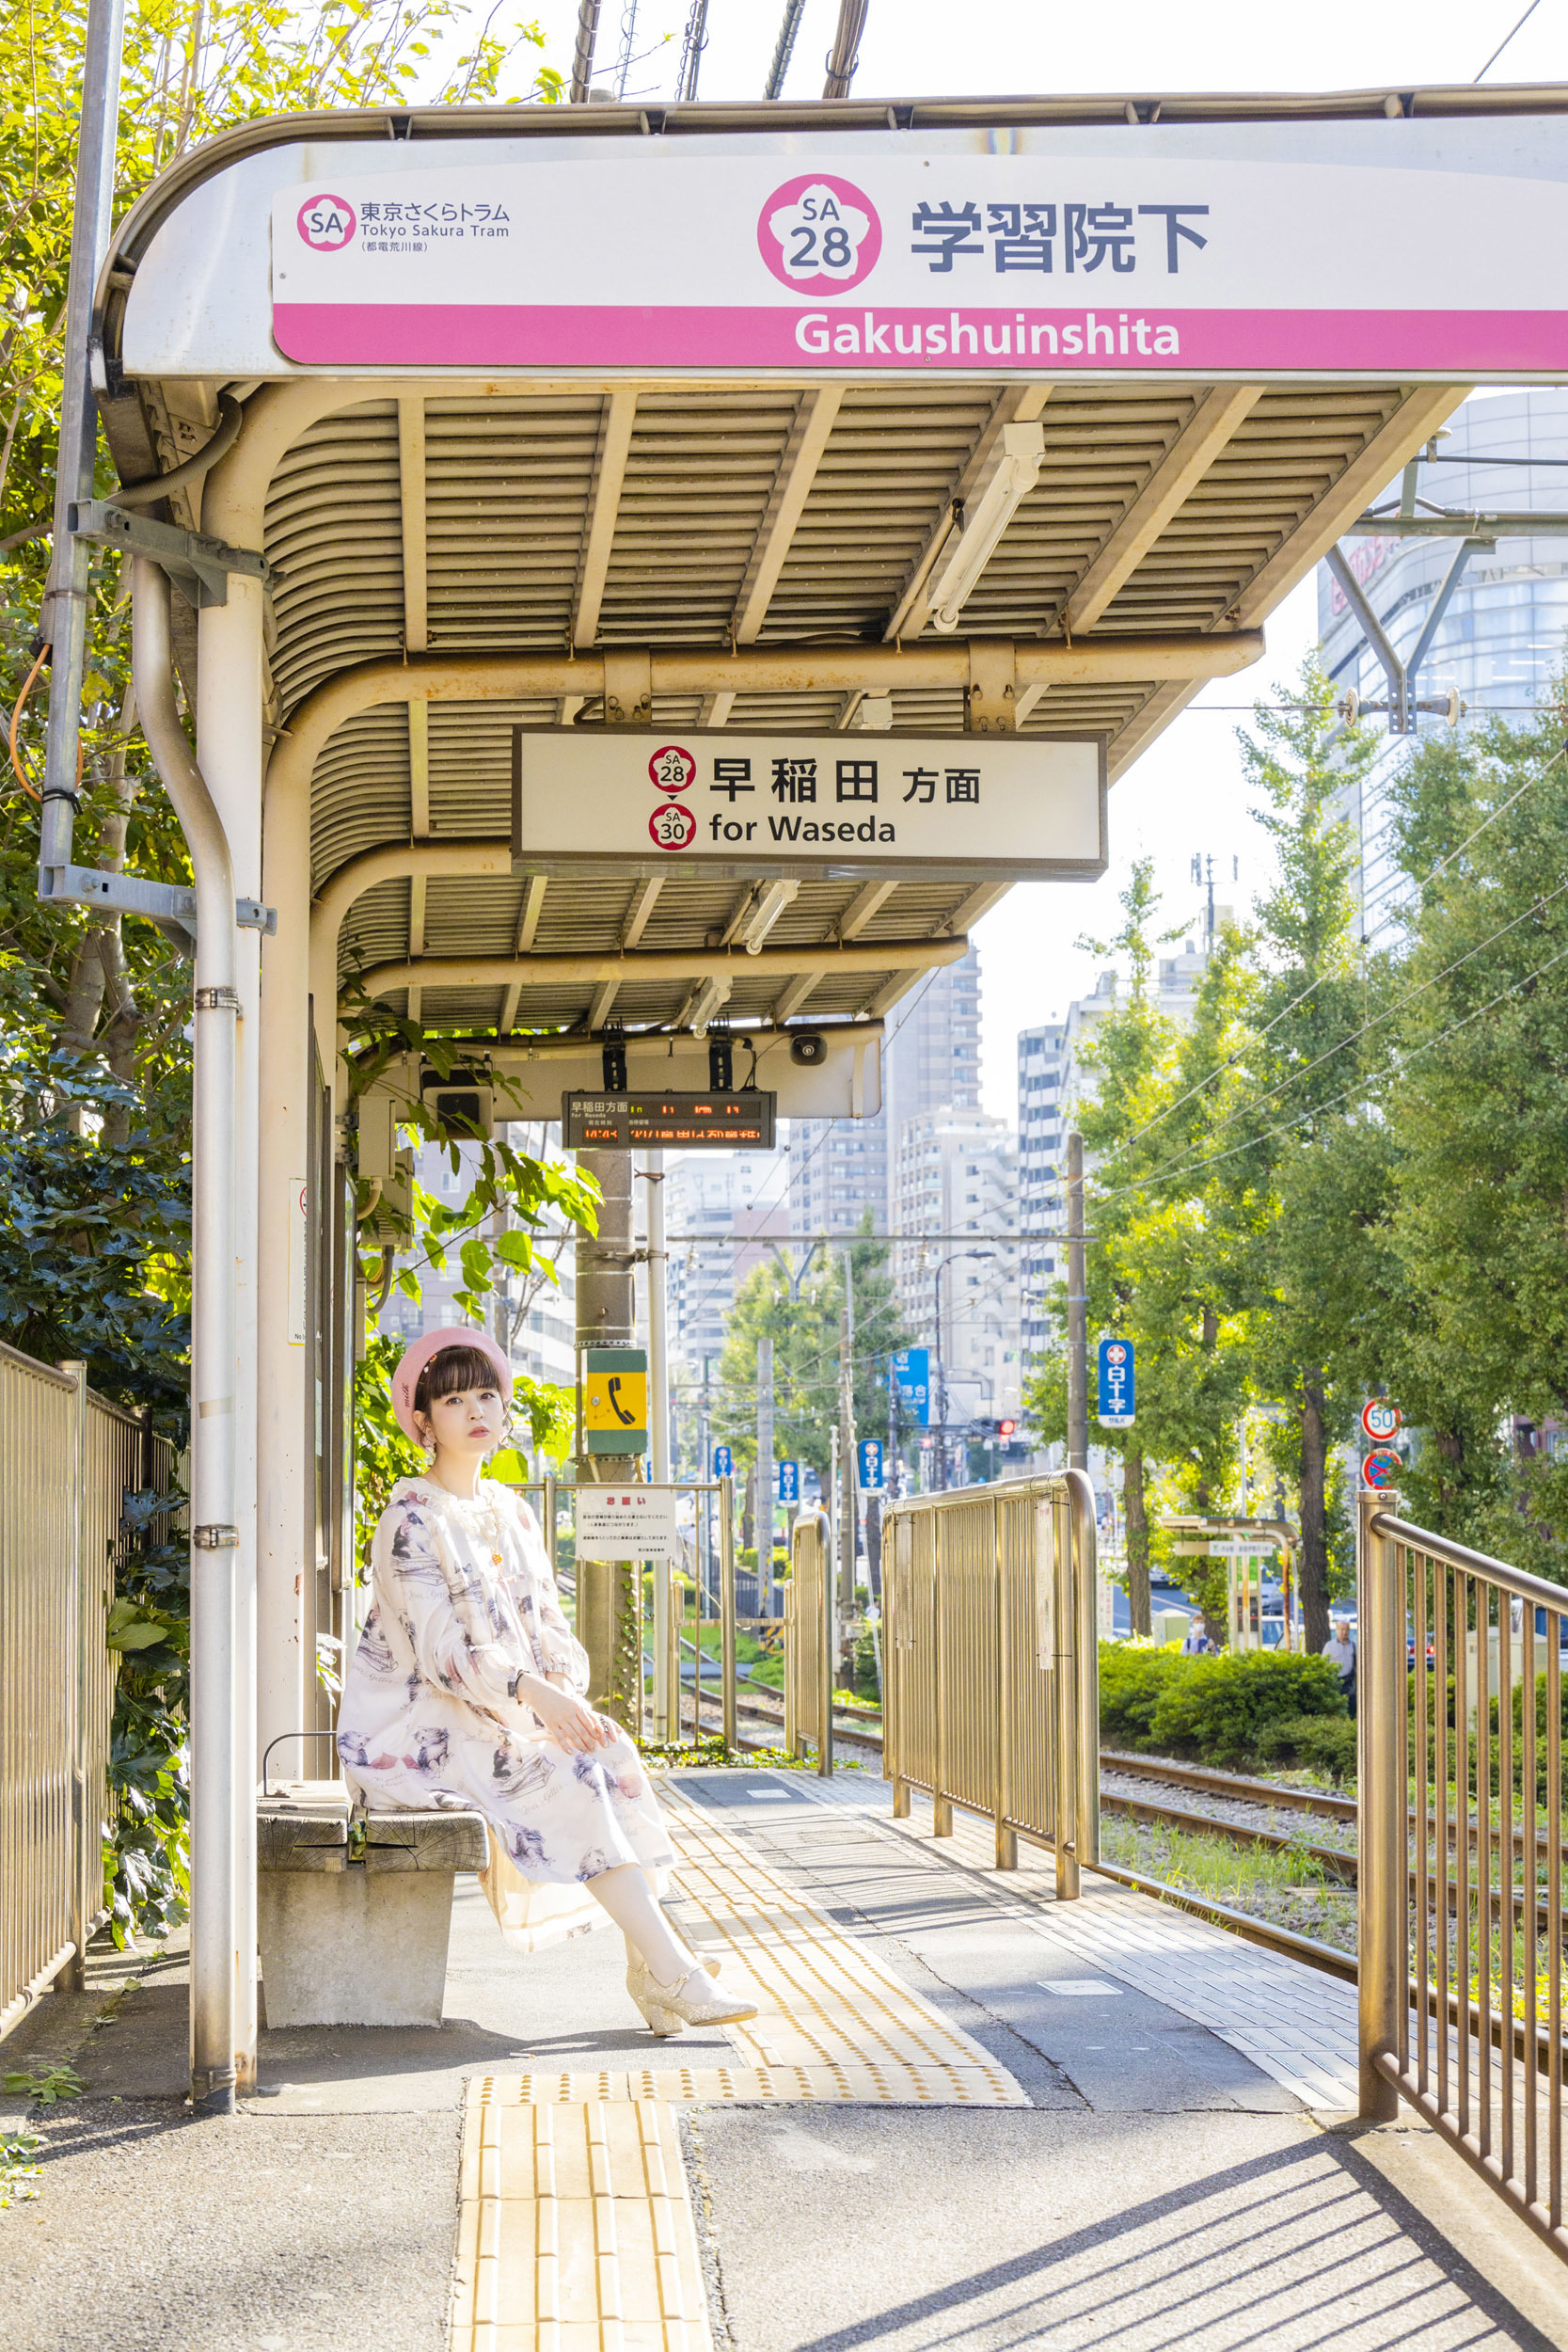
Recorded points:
(215, 1534)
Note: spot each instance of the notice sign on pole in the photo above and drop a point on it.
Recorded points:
(625, 1522)
(750, 804)
(1116, 1384)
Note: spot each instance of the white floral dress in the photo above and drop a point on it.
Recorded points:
(465, 1601)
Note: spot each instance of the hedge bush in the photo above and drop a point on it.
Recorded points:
(1213, 1708)
(1318, 1743)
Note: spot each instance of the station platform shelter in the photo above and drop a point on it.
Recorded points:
(599, 573)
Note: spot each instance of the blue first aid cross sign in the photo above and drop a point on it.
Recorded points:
(871, 1464)
(723, 1462)
(1116, 1384)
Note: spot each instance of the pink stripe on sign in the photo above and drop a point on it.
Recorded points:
(1456, 343)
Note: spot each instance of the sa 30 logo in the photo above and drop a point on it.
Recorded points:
(326, 223)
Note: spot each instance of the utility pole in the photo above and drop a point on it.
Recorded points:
(1077, 1311)
(609, 1603)
(847, 1419)
(763, 1517)
(704, 1472)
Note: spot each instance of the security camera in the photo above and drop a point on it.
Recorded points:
(808, 1049)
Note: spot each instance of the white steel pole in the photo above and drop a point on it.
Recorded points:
(665, 1699)
(65, 613)
(764, 1514)
(214, 1533)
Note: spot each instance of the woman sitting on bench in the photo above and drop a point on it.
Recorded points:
(467, 1689)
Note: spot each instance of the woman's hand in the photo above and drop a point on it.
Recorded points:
(569, 1721)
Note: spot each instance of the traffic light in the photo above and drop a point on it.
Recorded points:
(980, 1431)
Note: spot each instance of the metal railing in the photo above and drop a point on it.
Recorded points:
(991, 1663)
(67, 1461)
(1460, 1706)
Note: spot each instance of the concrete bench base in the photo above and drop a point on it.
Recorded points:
(355, 1948)
(354, 1933)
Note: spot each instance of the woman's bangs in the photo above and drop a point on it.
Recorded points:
(456, 1368)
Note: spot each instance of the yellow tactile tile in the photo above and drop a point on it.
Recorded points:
(575, 2231)
(828, 2007)
(754, 2085)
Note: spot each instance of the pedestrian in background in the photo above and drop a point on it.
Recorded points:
(1198, 1644)
(1340, 1652)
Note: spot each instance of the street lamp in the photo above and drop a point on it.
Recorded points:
(943, 1266)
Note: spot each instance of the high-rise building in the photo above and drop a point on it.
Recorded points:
(930, 1062)
(1054, 1078)
(1500, 641)
(958, 1178)
(706, 1195)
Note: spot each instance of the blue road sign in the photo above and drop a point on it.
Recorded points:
(789, 1482)
(871, 1464)
(723, 1462)
(911, 1378)
(1117, 1385)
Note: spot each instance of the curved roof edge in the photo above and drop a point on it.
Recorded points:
(1134, 108)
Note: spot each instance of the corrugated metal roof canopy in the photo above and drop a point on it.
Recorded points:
(426, 522)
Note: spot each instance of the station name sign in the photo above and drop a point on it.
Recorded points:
(1419, 246)
(687, 1122)
(838, 804)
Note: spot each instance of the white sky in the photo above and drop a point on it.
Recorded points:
(1186, 797)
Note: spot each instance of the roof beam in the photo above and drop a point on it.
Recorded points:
(1208, 431)
(802, 454)
(643, 901)
(694, 964)
(1016, 403)
(794, 995)
(418, 770)
(528, 925)
(411, 484)
(1413, 424)
(604, 997)
(716, 710)
(862, 907)
(616, 419)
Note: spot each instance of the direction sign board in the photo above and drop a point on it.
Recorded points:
(694, 1122)
(789, 1482)
(870, 1451)
(1380, 1420)
(723, 1462)
(1118, 1384)
(625, 1522)
(1381, 1468)
(1202, 246)
(615, 1399)
(801, 804)
(911, 1378)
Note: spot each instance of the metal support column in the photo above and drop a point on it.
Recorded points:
(87, 1861)
(610, 1623)
(1382, 1832)
(763, 1514)
(666, 1654)
(65, 611)
(726, 1605)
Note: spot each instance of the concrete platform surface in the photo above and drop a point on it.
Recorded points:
(963, 2115)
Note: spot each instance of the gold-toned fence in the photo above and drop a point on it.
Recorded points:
(990, 1660)
(67, 1461)
(810, 1644)
(1460, 1705)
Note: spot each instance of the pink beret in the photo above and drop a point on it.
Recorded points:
(406, 1378)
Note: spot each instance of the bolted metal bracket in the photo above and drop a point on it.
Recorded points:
(214, 1536)
(161, 902)
(199, 566)
(217, 1000)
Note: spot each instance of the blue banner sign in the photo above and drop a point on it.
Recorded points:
(871, 1464)
(1118, 1387)
(789, 1482)
(911, 1378)
(723, 1462)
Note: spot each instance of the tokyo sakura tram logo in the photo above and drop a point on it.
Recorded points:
(326, 223)
(820, 235)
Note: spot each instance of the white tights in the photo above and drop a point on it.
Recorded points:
(629, 1899)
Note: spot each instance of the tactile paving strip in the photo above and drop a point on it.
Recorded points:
(828, 2007)
(575, 2231)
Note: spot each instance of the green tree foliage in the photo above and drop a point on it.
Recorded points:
(94, 1058)
(806, 1330)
